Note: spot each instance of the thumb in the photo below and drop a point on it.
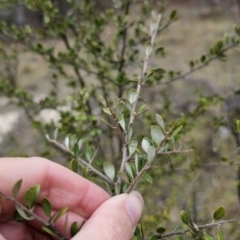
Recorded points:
(114, 219)
(2, 238)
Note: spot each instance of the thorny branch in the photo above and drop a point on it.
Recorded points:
(35, 216)
(183, 76)
(67, 151)
(200, 227)
(139, 86)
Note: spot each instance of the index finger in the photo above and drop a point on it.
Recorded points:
(59, 184)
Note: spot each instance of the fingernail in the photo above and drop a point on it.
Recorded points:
(134, 205)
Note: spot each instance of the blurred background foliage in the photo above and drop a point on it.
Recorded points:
(56, 60)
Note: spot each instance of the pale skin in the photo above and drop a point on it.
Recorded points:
(107, 218)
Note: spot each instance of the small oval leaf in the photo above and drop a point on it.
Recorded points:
(151, 153)
(89, 154)
(23, 214)
(220, 234)
(161, 230)
(208, 236)
(129, 170)
(75, 227)
(184, 217)
(176, 131)
(59, 214)
(29, 198)
(74, 166)
(109, 170)
(66, 142)
(145, 144)
(55, 134)
(49, 231)
(102, 100)
(157, 134)
(160, 121)
(133, 143)
(123, 176)
(16, 188)
(219, 213)
(132, 96)
(47, 207)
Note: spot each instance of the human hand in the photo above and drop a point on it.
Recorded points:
(107, 218)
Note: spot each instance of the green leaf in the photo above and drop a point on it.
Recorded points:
(179, 238)
(55, 134)
(65, 225)
(127, 104)
(153, 237)
(161, 230)
(108, 188)
(107, 111)
(49, 231)
(238, 125)
(66, 142)
(148, 51)
(59, 214)
(145, 144)
(102, 100)
(73, 140)
(130, 131)
(30, 198)
(157, 134)
(129, 170)
(219, 213)
(121, 121)
(132, 96)
(74, 166)
(47, 207)
(117, 188)
(173, 15)
(109, 170)
(16, 188)
(47, 137)
(23, 214)
(151, 153)
(136, 162)
(220, 234)
(74, 228)
(208, 236)
(119, 109)
(123, 176)
(109, 124)
(132, 145)
(160, 121)
(147, 177)
(176, 131)
(185, 218)
(17, 217)
(80, 144)
(141, 108)
(36, 190)
(76, 150)
(89, 154)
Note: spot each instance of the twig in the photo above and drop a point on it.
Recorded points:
(67, 151)
(183, 76)
(35, 216)
(139, 86)
(121, 132)
(200, 227)
(175, 152)
(123, 49)
(137, 178)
